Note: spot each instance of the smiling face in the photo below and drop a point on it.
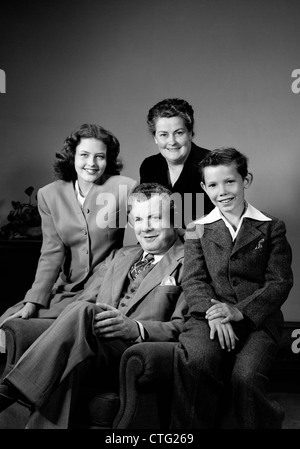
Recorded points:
(225, 187)
(151, 222)
(89, 161)
(173, 139)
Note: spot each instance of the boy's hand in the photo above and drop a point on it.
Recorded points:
(111, 323)
(226, 335)
(223, 310)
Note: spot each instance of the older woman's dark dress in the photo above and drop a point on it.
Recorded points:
(155, 169)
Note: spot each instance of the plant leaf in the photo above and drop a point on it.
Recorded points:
(29, 190)
(16, 205)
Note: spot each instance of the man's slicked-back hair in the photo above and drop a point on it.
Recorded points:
(147, 190)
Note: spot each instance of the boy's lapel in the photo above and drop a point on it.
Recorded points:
(249, 231)
(218, 233)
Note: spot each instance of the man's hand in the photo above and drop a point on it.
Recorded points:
(26, 312)
(111, 323)
(225, 333)
(225, 311)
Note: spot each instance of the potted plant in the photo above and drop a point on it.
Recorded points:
(24, 220)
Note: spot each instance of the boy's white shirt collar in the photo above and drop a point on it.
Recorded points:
(250, 212)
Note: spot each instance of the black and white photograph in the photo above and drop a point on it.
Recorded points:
(149, 221)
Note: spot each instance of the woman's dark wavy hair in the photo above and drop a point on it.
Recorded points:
(171, 107)
(64, 164)
(225, 156)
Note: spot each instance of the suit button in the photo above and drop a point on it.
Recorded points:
(235, 283)
(84, 232)
(127, 297)
(87, 211)
(123, 304)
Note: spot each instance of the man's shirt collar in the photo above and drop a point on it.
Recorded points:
(157, 257)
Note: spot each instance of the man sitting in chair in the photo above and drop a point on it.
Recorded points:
(134, 296)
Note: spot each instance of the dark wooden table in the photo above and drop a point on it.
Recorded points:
(18, 262)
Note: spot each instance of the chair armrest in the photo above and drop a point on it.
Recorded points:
(155, 359)
(20, 334)
(143, 366)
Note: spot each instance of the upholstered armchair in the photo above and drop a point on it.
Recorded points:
(145, 384)
(144, 396)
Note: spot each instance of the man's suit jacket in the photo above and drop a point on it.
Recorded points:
(160, 308)
(155, 169)
(253, 273)
(75, 240)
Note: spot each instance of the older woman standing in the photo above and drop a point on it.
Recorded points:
(83, 218)
(171, 123)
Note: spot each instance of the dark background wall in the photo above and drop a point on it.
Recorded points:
(69, 62)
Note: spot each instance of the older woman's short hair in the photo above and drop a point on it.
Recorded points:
(64, 167)
(171, 107)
